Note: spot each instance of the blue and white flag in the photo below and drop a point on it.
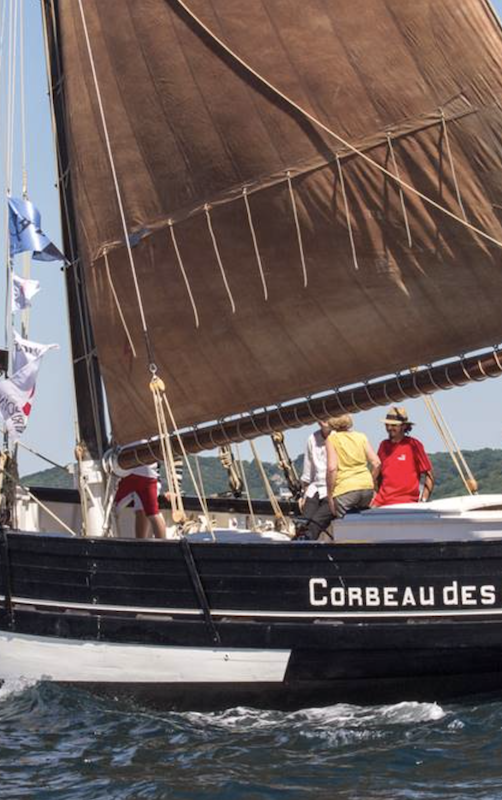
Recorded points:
(23, 291)
(26, 234)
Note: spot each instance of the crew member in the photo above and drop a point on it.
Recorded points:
(350, 483)
(141, 485)
(404, 463)
(314, 502)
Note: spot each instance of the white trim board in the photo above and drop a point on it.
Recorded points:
(51, 659)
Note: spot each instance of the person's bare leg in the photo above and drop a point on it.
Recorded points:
(141, 525)
(158, 524)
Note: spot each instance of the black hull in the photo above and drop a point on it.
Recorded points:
(206, 697)
(345, 623)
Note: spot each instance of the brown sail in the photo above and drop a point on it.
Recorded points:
(304, 265)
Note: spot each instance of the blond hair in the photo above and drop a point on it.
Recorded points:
(340, 423)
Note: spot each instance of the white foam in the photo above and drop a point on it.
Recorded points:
(341, 715)
(406, 712)
(13, 686)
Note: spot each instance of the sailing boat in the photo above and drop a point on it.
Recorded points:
(262, 202)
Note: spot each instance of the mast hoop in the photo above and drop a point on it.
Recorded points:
(429, 368)
(403, 391)
(342, 408)
(467, 373)
(221, 422)
(308, 399)
(279, 411)
(496, 351)
(368, 394)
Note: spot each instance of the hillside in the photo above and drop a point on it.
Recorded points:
(486, 465)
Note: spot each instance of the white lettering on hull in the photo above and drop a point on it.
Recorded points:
(454, 594)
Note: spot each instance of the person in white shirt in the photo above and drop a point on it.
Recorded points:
(314, 502)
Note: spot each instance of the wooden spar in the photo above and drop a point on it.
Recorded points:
(424, 380)
(86, 373)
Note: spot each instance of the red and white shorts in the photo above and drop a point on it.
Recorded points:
(143, 491)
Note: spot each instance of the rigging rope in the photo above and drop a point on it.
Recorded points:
(452, 165)
(255, 242)
(276, 508)
(26, 257)
(199, 475)
(178, 511)
(156, 385)
(347, 213)
(246, 488)
(23, 104)
(160, 398)
(118, 193)
(9, 131)
(183, 272)
(227, 460)
(317, 122)
(401, 193)
(117, 303)
(286, 465)
(12, 477)
(298, 229)
(218, 258)
(39, 455)
(451, 445)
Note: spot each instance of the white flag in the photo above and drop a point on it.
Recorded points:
(23, 291)
(25, 351)
(16, 395)
(15, 398)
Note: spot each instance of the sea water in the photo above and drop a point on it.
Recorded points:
(58, 743)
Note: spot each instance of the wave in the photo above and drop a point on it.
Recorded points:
(402, 713)
(15, 686)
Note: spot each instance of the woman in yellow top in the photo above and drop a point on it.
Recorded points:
(350, 482)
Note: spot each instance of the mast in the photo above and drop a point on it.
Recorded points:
(87, 377)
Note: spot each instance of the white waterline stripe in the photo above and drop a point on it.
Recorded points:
(218, 612)
(55, 659)
(91, 607)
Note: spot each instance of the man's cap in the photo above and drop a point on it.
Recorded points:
(397, 415)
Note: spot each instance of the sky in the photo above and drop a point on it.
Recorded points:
(473, 412)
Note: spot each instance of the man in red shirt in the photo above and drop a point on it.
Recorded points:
(404, 462)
